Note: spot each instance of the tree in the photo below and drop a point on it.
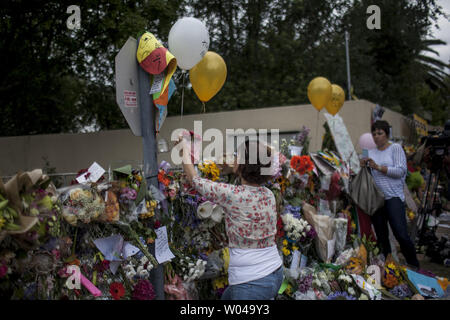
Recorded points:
(61, 80)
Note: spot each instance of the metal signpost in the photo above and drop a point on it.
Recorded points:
(135, 102)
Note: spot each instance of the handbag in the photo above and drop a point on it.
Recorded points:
(365, 193)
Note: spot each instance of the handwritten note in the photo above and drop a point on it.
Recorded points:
(157, 83)
(94, 173)
(162, 251)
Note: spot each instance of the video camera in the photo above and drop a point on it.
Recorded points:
(438, 143)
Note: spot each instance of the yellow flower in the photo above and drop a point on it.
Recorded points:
(289, 289)
(210, 170)
(294, 248)
(285, 242)
(286, 251)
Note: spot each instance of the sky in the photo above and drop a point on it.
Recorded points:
(443, 32)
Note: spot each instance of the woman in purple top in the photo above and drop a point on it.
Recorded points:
(388, 164)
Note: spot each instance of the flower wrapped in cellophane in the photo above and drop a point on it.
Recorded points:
(81, 203)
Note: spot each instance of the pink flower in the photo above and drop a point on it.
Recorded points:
(3, 270)
(143, 290)
(56, 253)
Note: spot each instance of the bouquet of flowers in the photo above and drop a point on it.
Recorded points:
(297, 229)
(81, 203)
(209, 170)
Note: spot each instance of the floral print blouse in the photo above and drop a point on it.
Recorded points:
(250, 212)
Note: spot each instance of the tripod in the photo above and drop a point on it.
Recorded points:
(428, 204)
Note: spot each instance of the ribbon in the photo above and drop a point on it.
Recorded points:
(90, 286)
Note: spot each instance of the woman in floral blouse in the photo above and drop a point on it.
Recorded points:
(255, 271)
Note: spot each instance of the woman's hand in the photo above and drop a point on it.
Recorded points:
(372, 164)
(188, 166)
(363, 162)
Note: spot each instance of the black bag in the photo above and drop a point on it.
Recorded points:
(365, 193)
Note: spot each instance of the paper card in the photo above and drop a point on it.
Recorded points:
(427, 286)
(325, 182)
(110, 247)
(124, 170)
(343, 141)
(295, 260)
(94, 173)
(324, 208)
(365, 153)
(129, 250)
(162, 250)
(157, 83)
(295, 150)
(303, 261)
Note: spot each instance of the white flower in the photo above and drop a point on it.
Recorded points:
(308, 228)
(205, 210)
(144, 260)
(217, 214)
(149, 267)
(143, 273)
(351, 291)
(139, 269)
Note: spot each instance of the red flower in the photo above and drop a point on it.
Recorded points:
(117, 290)
(302, 164)
(162, 178)
(280, 229)
(157, 224)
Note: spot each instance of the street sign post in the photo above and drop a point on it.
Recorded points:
(127, 85)
(135, 102)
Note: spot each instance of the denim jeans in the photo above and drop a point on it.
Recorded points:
(394, 212)
(265, 288)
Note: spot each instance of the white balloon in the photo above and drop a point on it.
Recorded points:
(188, 42)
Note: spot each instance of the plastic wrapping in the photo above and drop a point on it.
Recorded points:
(340, 225)
(81, 203)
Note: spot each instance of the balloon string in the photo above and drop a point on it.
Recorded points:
(317, 130)
(182, 92)
(204, 107)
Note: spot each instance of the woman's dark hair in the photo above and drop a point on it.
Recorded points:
(381, 125)
(249, 170)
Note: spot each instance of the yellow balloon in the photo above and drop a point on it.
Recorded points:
(208, 76)
(319, 92)
(337, 99)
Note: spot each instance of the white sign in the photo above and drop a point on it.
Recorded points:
(162, 250)
(343, 141)
(127, 85)
(94, 173)
(295, 260)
